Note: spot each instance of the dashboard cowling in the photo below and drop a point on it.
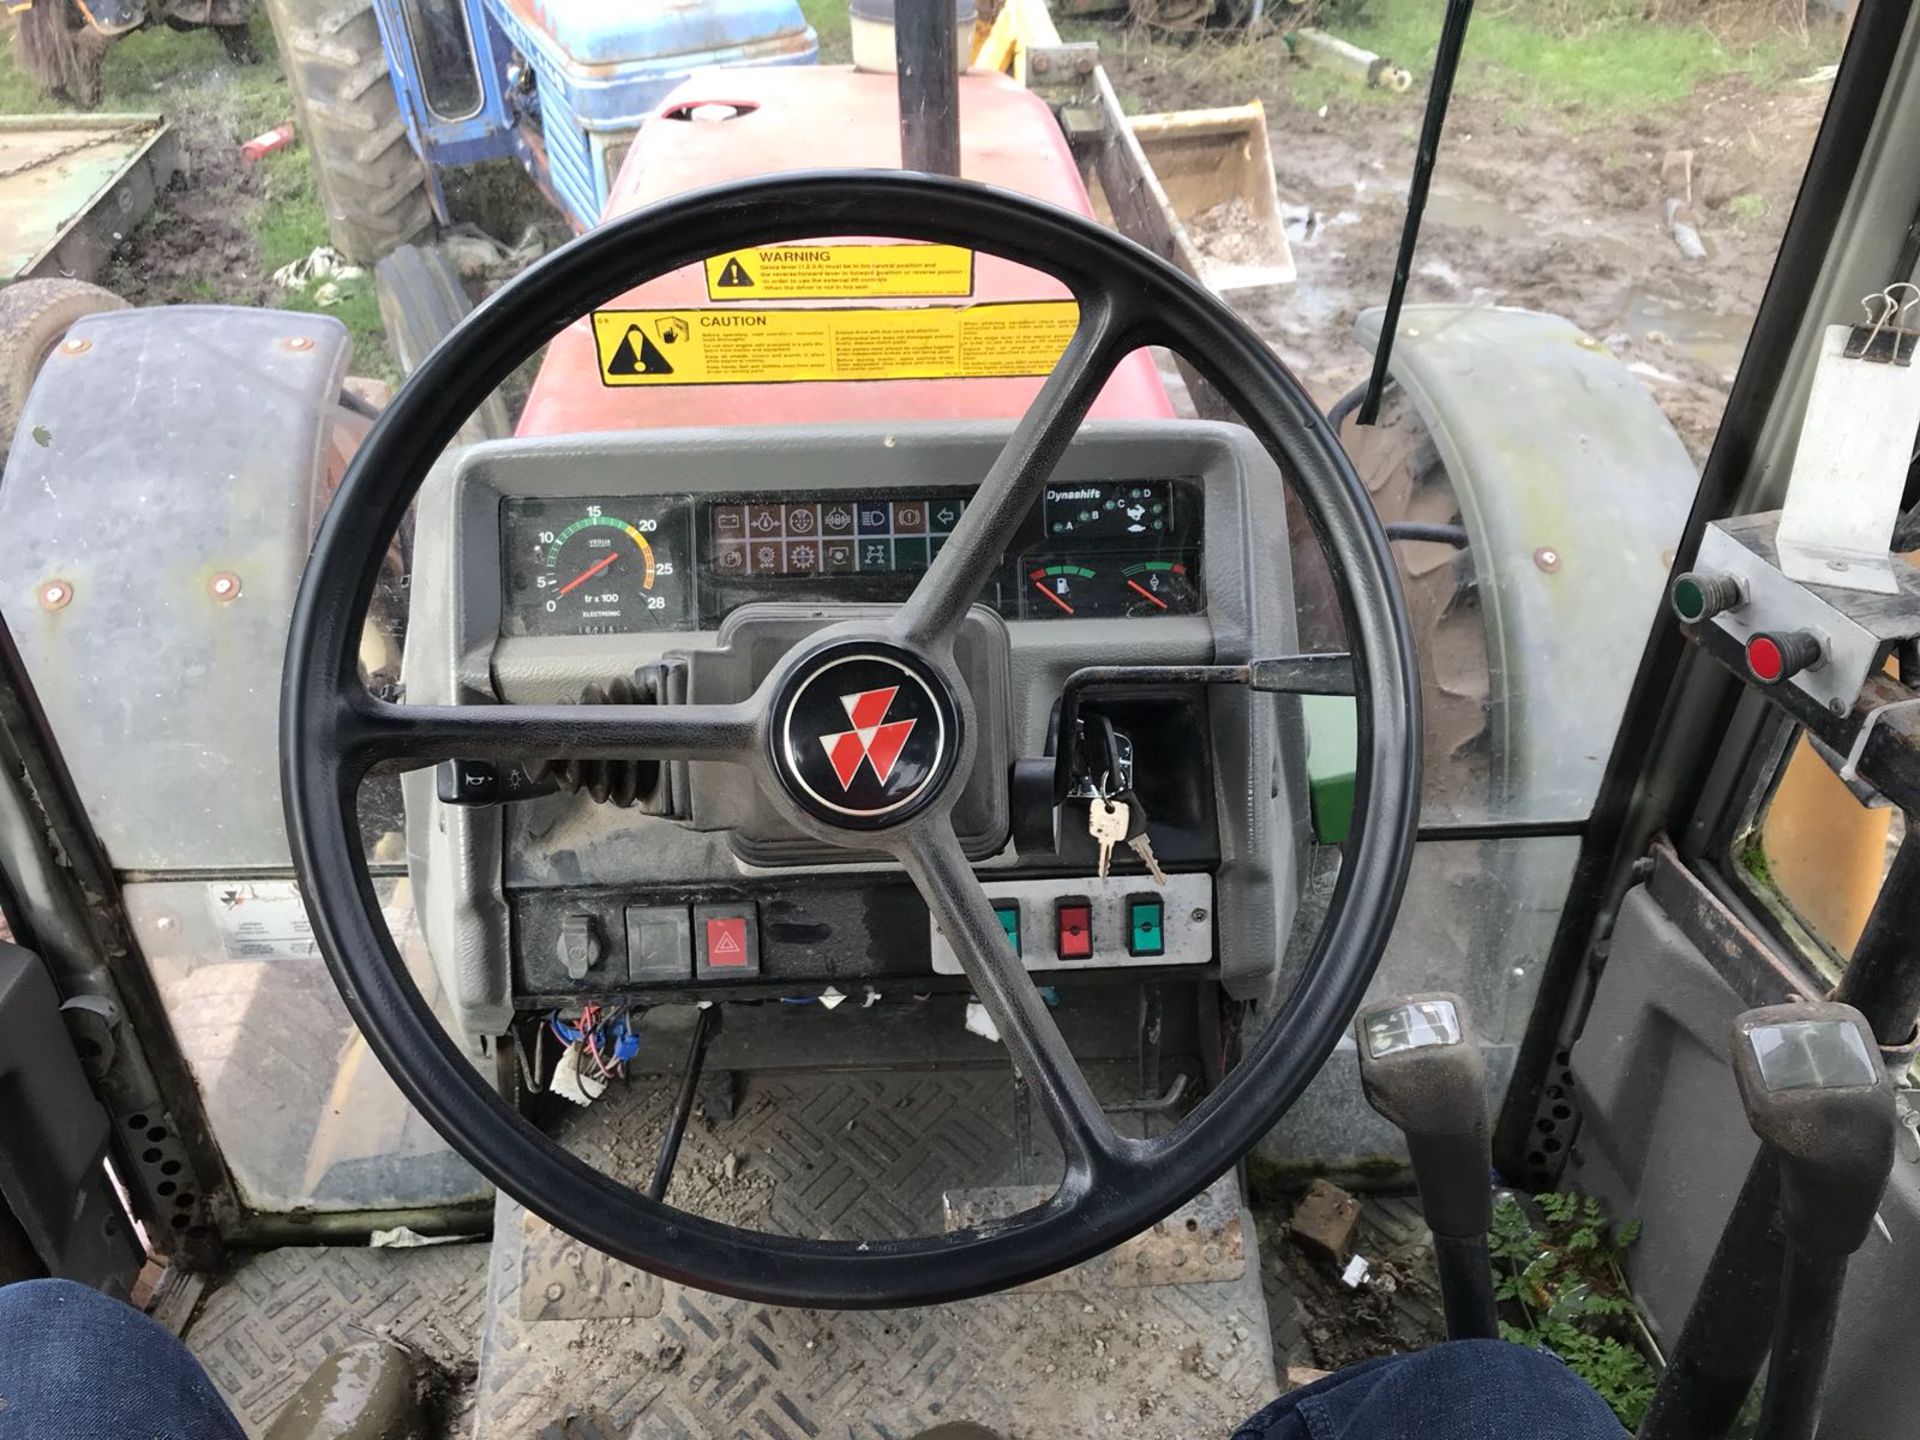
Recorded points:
(754, 639)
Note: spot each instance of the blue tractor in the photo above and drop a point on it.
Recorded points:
(389, 91)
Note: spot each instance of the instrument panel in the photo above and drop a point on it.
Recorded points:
(618, 565)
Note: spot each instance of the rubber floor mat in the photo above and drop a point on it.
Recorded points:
(270, 1321)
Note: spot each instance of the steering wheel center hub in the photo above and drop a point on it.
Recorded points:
(865, 734)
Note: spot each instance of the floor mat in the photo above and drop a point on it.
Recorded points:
(270, 1321)
(578, 1346)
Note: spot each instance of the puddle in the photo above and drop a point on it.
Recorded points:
(1714, 339)
(1496, 219)
(1306, 226)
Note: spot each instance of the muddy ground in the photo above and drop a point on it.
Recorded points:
(1549, 209)
(1535, 213)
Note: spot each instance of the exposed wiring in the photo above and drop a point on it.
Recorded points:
(605, 1034)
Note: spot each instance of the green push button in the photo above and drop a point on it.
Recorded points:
(1009, 913)
(1146, 933)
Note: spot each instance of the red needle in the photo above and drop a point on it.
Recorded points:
(586, 575)
(1131, 584)
(1042, 588)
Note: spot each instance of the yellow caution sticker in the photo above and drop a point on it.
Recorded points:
(842, 272)
(762, 347)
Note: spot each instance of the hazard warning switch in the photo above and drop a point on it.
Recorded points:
(728, 940)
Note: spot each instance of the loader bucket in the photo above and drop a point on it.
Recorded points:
(1196, 187)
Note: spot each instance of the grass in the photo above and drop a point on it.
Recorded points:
(1592, 60)
(288, 223)
(1600, 56)
(831, 23)
(160, 70)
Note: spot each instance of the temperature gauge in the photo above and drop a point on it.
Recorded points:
(1158, 587)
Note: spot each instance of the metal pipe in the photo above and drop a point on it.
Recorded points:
(1711, 1368)
(1802, 1338)
(705, 1027)
(926, 57)
(1882, 981)
(1466, 1287)
(1453, 38)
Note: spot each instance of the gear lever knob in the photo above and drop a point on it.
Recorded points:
(1821, 1101)
(1421, 1068)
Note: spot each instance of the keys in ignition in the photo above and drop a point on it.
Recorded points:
(1107, 822)
(1137, 838)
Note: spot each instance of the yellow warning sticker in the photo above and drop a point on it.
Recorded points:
(760, 347)
(841, 272)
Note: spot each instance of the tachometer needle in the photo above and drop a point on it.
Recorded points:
(1134, 585)
(588, 574)
(1040, 585)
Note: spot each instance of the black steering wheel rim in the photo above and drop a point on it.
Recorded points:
(326, 720)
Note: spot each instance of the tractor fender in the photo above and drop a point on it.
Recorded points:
(1573, 490)
(155, 519)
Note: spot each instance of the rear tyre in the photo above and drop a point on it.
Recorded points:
(1406, 477)
(373, 186)
(34, 317)
(421, 300)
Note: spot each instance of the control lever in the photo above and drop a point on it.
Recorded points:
(1821, 1102)
(1421, 1068)
(479, 783)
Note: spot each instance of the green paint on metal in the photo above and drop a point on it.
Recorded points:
(1333, 749)
(55, 169)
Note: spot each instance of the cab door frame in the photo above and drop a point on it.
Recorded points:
(1854, 227)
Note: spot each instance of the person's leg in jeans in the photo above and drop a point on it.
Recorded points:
(78, 1365)
(1465, 1390)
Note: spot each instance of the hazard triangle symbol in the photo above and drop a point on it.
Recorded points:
(734, 276)
(726, 944)
(638, 355)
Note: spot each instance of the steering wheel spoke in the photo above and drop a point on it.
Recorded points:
(940, 601)
(933, 857)
(407, 737)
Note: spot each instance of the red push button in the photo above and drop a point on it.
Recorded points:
(1773, 656)
(1073, 929)
(727, 942)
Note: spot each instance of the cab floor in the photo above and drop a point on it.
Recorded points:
(563, 1344)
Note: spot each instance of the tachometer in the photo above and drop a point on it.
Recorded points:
(578, 568)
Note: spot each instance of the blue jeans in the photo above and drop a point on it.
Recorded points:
(1464, 1390)
(75, 1365)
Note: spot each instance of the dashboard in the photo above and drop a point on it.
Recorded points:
(619, 565)
(545, 567)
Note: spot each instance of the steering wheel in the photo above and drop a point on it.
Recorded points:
(334, 732)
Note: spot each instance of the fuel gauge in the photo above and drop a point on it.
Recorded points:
(1058, 589)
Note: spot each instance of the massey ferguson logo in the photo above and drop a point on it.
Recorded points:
(873, 738)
